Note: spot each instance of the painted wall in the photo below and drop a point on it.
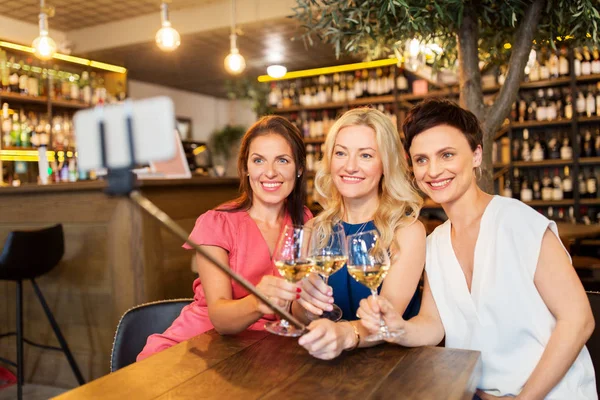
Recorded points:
(207, 113)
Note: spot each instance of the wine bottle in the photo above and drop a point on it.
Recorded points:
(587, 145)
(563, 62)
(546, 186)
(577, 61)
(567, 184)
(526, 146)
(590, 102)
(526, 192)
(553, 148)
(582, 186)
(557, 190)
(592, 184)
(536, 186)
(595, 61)
(537, 154)
(507, 188)
(516, 184)
(580, 104)
(586, 63)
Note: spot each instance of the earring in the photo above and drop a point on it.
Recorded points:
(298, 175)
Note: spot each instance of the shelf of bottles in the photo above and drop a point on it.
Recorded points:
(314, 103)
(551, 147)
(38, 100)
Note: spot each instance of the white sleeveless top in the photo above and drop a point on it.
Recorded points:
(504, 316)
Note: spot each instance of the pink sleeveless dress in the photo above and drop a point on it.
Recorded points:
(238, 234)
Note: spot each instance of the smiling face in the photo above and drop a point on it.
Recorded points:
(443, 163)
(356, 166)
(271, 169)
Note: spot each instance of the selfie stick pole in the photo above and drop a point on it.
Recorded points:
(122, 181)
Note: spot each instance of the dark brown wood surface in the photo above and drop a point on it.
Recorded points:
(577, 231)
(255, 365)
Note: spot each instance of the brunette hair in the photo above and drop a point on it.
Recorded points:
(272, 124)
(434, 112)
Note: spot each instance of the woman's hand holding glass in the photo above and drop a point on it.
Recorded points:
(316, 296)
(292, 262)
(328, 253)
(278, 290)
(373, 310)
(368, 264)
(327, 339)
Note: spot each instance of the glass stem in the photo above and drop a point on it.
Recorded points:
(284, 322)
(383, 329)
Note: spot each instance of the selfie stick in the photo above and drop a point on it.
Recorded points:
(122, 182)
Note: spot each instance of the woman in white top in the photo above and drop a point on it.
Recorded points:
(497, 280)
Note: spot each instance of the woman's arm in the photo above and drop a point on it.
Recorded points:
(561, 290)
(232, 316)
(426, 329)
(407, 266)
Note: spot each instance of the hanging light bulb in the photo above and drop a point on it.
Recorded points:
(234, 62)
(44, 47)
(167, 38)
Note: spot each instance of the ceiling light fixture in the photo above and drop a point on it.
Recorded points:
(167, 38)
(276, 71)
(44, 47)
(234, 62)
(330, 70)
(66, 57)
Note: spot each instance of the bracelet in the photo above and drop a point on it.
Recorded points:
(357, 335)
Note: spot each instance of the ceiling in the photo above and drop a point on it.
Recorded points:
(78, 14)
(197, 65)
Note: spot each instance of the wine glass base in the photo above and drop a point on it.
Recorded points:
(278, 329)
(376, 337)
(333, 315)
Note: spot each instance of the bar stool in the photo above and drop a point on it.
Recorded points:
(27, 255)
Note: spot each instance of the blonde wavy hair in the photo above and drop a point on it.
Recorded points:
(399, 202)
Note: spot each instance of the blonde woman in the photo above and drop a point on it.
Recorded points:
(363, 183)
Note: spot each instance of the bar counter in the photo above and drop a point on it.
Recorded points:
(116, 257)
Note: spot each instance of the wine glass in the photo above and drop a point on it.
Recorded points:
(369, 263)
(292, 262)
(329, 253)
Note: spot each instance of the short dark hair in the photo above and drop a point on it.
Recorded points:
(272, 124)
(434, 112)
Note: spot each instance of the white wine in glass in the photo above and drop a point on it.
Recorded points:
(292, 262)
(369, 275)
(329, 253)
(368, 264)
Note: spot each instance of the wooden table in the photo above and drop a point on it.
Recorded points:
(255, 365)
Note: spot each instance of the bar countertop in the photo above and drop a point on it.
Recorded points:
(115, 257)
(100, 184)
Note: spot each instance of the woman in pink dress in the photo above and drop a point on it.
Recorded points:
(242, 234)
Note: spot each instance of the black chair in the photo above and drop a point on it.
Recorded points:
(593, 343)
(137, 324)
(27, 255)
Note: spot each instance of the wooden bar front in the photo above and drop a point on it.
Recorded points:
(116, 257)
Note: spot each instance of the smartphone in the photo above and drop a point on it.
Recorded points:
(152, 122)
